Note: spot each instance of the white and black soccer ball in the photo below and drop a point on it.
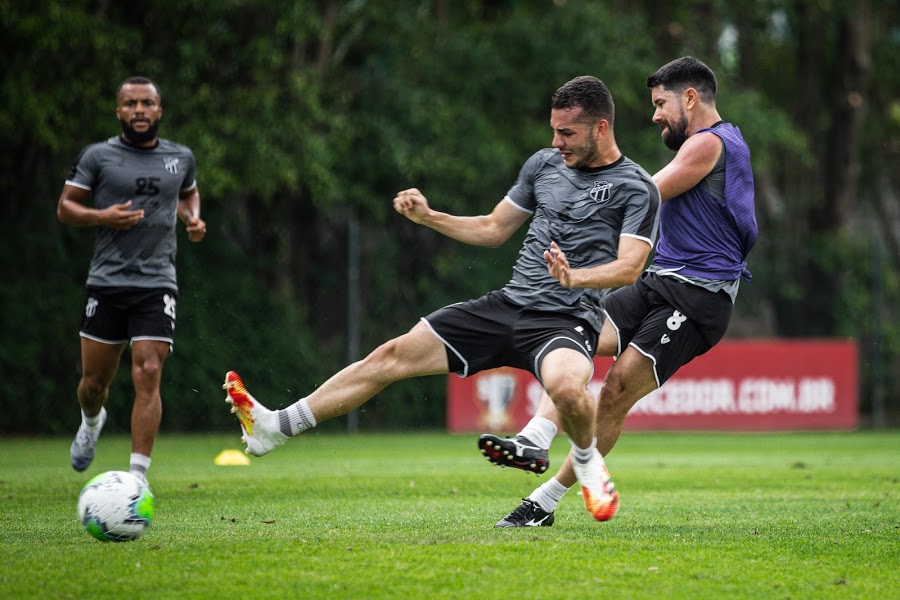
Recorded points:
(116, 507)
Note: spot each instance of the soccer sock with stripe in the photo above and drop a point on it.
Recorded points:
(540, 431)
(140, 463)
(583, 455)
(296, 418)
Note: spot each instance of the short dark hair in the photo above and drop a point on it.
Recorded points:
(139, 80)
(590, 94)
(683, 73)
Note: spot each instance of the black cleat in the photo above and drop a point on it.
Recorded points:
(516, 451)
(527, 514)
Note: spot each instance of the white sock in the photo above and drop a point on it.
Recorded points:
(548, 495)
(540, 431)
(140, 463)
(296, 418)
(583, 455)
(91, 422)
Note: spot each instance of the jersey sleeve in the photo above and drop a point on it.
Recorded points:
(522, 192)
(83, 173)
(190, 173)
(642, 212)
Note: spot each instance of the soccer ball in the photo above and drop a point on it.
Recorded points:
(115, 507)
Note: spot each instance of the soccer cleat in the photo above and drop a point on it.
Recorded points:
(142, 477)
(81, 452)
(599, 492)
(516, 451)
(527, 514)
(259, 424)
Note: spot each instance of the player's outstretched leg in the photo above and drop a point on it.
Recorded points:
(527, 514)
(600, 496)
(83, 446)
(261, 427)
(516, 451)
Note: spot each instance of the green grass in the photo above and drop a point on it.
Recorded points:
(806, 515)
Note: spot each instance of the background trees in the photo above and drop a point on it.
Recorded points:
(307, 116)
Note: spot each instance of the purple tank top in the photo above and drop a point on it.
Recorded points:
(702, 236)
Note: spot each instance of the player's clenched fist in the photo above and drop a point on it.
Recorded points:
(196, 228)
(411, 204)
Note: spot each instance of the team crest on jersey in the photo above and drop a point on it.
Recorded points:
(601, 191)
(171, 165)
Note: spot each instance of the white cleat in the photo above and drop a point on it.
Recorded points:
(599, 492)
(81, 452)
(262, 433)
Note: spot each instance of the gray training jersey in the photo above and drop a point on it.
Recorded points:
(115, 172)
(585, 211)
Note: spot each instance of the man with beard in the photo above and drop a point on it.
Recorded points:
(681, 305)
(141, 185)
(582, 196)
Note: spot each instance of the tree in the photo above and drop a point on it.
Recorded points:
(302, 113)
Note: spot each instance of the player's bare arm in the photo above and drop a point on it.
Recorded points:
(485, 230)
(189, 213)
(694, 161)
(72, 210)
(624, 270)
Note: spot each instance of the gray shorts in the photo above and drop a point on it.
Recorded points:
(493, 332)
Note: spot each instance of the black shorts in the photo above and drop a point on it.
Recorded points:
(667, 320)
(493, 332)
(119, 315)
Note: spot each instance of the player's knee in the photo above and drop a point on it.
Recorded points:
(614, 397)
(384, 363)
(146, 372)
(93, 387)
(568, 397)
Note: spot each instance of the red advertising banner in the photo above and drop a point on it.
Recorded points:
(738, 386)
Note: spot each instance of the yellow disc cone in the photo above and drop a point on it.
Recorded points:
(232, 457)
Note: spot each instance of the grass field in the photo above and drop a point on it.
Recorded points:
(806, 515)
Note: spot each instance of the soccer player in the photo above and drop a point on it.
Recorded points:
(141, 185)
(681, 306)
(583, 194)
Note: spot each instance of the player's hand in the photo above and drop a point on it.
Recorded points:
(118, 216)
(196, 228)
(412, 205)
(558, 265)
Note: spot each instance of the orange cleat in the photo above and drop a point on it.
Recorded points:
(260, 425)
(599, 492)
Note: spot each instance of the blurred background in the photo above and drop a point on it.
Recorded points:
(306, 117)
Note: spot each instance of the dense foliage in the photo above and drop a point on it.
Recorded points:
(307, 116)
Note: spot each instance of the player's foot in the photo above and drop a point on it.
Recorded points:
(600, 496)
(515, 451)
(259, 424)
(142, 477)
(82, 450)
(527, 514)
